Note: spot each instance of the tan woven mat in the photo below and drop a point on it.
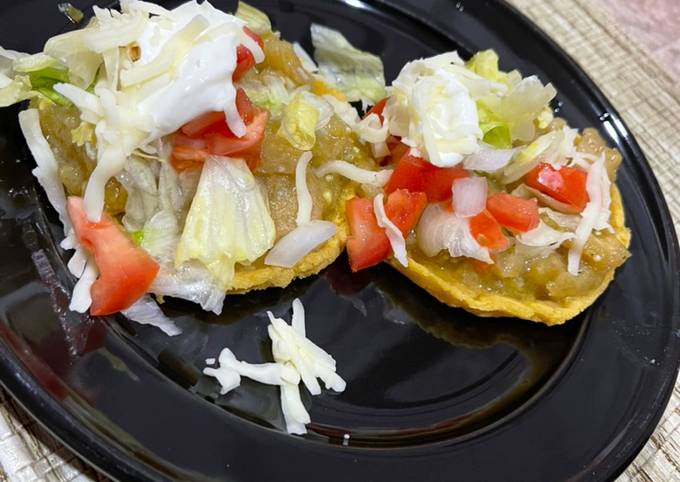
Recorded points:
(649, 102)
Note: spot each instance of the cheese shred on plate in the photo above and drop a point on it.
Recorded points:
(296, 359)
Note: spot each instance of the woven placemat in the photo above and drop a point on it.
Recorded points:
(649, 102)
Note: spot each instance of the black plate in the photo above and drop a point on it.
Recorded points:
(434, 393)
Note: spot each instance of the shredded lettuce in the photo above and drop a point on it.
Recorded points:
(228, 222)
(25, 76)
(513, 114)
(139, 180)
(269, 91)
(485, 64)
(70, 49)
(357, 74)
(496, 133)
(17, 90)
(111, 31)
(146, 311)
(256, 20)
(299, 122)
(527, 158)
(31, 63)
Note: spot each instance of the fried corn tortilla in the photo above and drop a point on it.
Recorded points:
(425, 272)
(259, 276)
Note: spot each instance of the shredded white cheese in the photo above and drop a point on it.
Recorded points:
(304, 198)
(354, 173)
(81, 298)
(296, 359)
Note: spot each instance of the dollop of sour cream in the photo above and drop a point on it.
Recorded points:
(202, 82)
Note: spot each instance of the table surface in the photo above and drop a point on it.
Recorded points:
(632, 51)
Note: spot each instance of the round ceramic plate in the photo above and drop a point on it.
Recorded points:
(433, 393)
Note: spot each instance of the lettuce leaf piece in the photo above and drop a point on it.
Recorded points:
(257, 20)
(31, 63)
(268, 91)
(523, 104)
(485, 64)
(70, 49)
(13, 91)
(228, 222)
(546, 148)
(137, 236)
(357, 74)
(25, 76)
(526, 103)
(496, 133)
(299, 122)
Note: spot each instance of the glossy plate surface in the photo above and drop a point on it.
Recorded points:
(434, 393)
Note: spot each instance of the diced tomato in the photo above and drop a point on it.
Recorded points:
(247, 147)
(513, 212)
(567, 184)
(367, 243)
(397, 150)
(254, 36)
(209, 134)
(244, 57)
(125, 270)
(488, 233)
(378, 109)
(418, 175)
(198, 126)
(244, 62)
(245, 108)
(183, 157)
(215, 122)
(404, 208)
(181, 139)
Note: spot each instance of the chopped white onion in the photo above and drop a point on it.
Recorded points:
(469, 196)
(147, 312)
(488, 159)
(299, 243)
(595, 215)
(544, 236)
(354, 173)
(393, 233)
(304, 198)
(440, 229)
(568, 221)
